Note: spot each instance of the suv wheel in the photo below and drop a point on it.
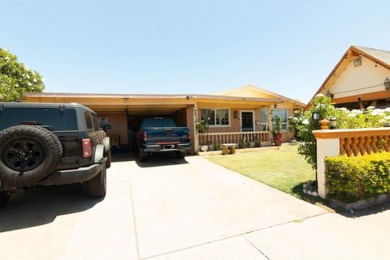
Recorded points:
(28, 153)
(97, 186)
(109, 159)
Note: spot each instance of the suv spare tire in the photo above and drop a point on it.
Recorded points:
(28, 153)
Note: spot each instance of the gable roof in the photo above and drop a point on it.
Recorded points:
(256, 92)
(378, 56)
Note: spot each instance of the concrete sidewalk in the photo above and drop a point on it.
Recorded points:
(184, 209)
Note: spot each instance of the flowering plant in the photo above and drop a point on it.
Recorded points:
(346, 119)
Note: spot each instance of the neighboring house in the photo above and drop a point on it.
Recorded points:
(240, 114)
(360, 79)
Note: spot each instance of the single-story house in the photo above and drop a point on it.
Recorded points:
(240, 114)
(360, 79)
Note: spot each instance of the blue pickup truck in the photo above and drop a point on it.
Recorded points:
(159, 135)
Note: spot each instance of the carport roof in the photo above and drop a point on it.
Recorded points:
(141, 104)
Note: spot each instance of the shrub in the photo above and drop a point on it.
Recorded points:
(358, 177)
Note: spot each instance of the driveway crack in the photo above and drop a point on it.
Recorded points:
(134, 220)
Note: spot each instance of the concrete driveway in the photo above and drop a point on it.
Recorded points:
(183, 209)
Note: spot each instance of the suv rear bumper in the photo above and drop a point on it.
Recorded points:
(73, 176)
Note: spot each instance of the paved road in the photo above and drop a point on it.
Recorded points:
(184, 209)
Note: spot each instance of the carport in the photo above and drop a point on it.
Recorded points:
(125, 112)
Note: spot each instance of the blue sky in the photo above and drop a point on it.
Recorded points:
(188, 46)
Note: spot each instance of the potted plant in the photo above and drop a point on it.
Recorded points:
(257, 142)
(277, 131)
(202, 127)
(244, 143)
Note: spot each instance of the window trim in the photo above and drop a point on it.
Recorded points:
(215, 114)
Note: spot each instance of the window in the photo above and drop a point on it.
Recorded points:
(282, 113)
(216, 117)
(95, 120)
(264, 119)
(51, 117)
(88, 119)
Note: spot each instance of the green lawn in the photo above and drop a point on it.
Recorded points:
(283, 169)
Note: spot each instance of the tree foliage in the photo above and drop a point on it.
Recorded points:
(304, 123)
(16, 78)
(308, 147)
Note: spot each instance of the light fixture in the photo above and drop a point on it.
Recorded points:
(332, 122)
(315, 116)
(235, 114)
(329, 94)
(358, 61)
(276, 106)
(387, 84)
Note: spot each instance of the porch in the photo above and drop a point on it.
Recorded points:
(242, 139)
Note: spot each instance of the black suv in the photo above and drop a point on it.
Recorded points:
(52, 144)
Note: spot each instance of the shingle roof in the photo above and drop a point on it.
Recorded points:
(377, 55)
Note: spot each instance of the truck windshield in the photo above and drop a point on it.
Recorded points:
(158, 122)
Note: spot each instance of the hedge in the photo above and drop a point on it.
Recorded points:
(352, 178)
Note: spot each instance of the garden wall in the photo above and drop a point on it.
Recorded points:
(349, 142)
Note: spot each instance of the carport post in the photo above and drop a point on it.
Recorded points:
(194, 131)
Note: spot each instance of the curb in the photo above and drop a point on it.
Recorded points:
(361, 204)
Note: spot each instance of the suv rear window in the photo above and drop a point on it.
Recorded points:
(51, 117)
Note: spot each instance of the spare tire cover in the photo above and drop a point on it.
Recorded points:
(28, 153)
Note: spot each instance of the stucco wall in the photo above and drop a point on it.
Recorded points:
(366, 78)
(119, 126)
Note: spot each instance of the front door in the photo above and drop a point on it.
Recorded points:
(247, 124)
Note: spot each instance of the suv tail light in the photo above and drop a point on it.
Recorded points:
(144, 136)
(86, 147)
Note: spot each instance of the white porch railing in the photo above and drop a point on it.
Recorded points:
(259, 138)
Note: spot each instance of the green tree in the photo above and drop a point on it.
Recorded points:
(16, 78)
(308, 147)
